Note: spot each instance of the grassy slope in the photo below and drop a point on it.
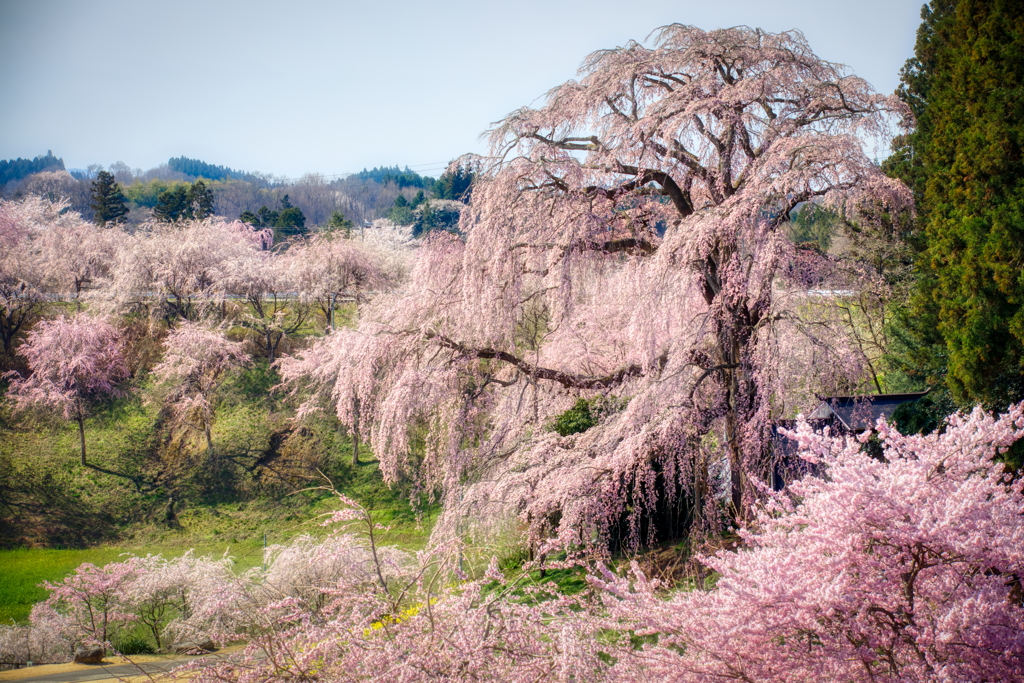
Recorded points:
(235, 528)
(55, 515)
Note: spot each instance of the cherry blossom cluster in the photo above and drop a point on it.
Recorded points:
(904, 567)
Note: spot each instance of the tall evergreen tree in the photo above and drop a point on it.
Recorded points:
(184, 202)
(965, 162)
(200, 200)
(456, 185)
(108, 201)
(173, 204)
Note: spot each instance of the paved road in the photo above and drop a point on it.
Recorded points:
(96, 672)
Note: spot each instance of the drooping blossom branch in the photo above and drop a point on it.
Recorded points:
(625, 239)
(74, 363)
(195, 360)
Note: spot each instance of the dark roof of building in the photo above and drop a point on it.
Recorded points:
(862, 412)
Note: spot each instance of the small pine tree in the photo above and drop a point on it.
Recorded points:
(340, 224)
(172, 205)
(108, 201)
(200, 201)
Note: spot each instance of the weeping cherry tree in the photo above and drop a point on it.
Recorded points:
(625, 245)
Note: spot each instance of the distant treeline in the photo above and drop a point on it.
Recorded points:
(16, 169)
(402, 178)
(201, 169)
(359, 197)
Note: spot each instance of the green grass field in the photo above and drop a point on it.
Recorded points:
(56, 515)
(238, 529)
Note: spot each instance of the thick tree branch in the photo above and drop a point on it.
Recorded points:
(566, 379)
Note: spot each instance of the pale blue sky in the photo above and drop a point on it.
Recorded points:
(333, 87)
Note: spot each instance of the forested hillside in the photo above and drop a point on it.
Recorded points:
(360, 197)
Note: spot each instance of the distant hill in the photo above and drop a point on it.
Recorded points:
(403, 178)
(16, 169)
(201, 169)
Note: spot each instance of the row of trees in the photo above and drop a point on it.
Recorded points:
(13, 170)
(362, 197)
(194, 201)
(441, 211)
(192, 280)
(183, 201)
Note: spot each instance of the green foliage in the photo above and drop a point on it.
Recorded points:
(133, 644)
(430, 217)
(456, 185)
(401, 213)
(147, 194)
(814, 225)
(577, 419)
(586, 413)
(287, 222)
(16, 169)
(966, 164)
(201, 169)
(184, 202)
(926, 414)
(402, 178)
(108, 201)
(200, 199)
(290, 221)
(339, 224)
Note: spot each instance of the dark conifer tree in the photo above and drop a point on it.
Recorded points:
(965, 162)
(173, 204)
(455, 185)
(200, 201)
(108, 202)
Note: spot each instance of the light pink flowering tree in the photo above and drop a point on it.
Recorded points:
(22, 271)
(74, 363)
(77, 254)
(46, 252)
(195, 361)
(93, 599)
(48, 638)
(328, 270)
(271, 307)
(178, 271)
(902, 568)
(625, 240)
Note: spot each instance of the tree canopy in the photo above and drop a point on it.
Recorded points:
(563, 288)
(108, 201)
(15, 169)
(964, 161)
(289, 221)
(184, 202)
(394, 174)
(201, 169)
